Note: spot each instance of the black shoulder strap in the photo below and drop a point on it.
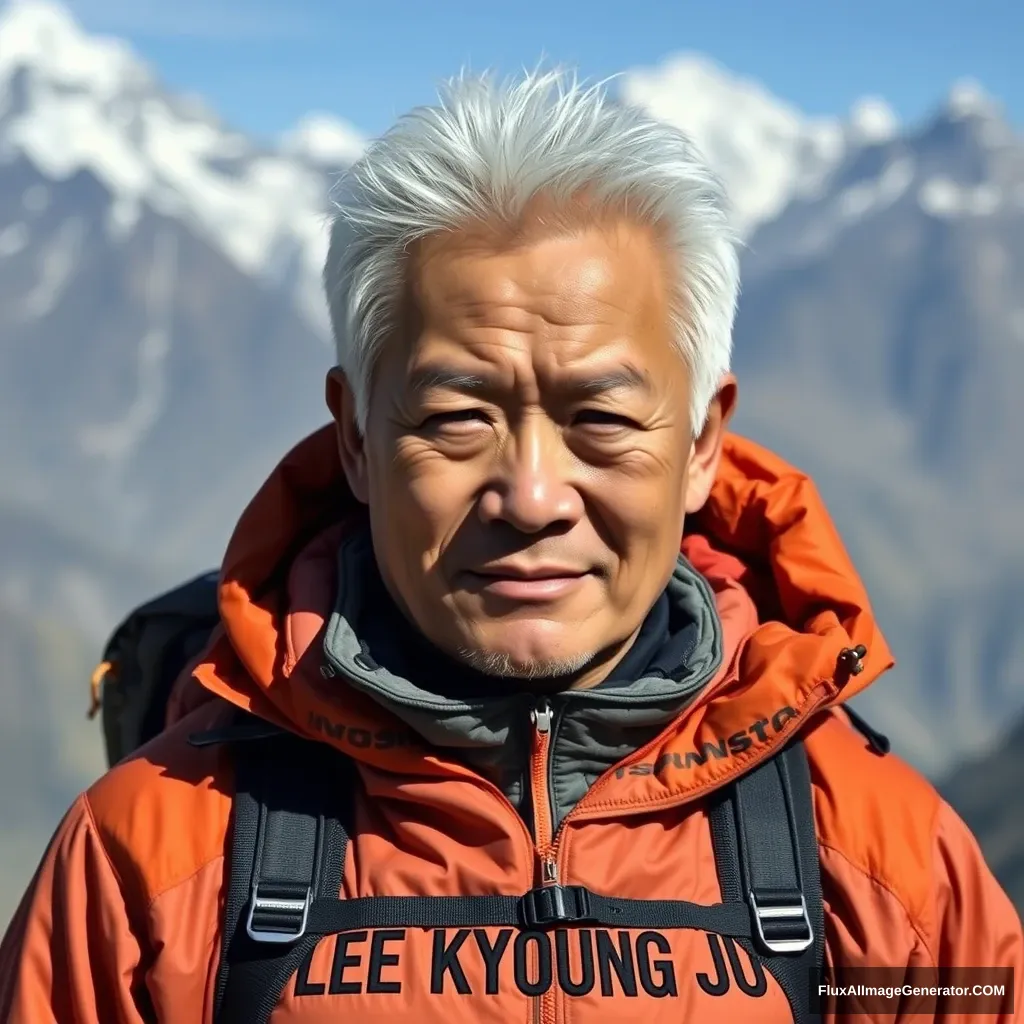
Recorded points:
(289, 833)
(766, 850)
(878, 742)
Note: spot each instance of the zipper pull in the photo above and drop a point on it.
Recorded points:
(541, 715)
(549, 871)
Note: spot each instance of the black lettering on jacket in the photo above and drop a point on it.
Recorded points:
(379, 960)
(360, 737)
(446, 961)
(492, 954)
(757, 728)
(722, 983)
(781, 717)
(718, 749)
(759, 985)
(738, 742)
(620, 960)
(735, 744)
(383, 739)
(665, 969)
(321, 723)
(565, 980)
(342, 960)
(539, 985)
(614, 961)
(303, 986)
(706, 749)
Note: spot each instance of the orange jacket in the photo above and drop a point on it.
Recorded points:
(120, 923)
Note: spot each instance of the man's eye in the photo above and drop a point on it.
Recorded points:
(601, 418)
(455, 417)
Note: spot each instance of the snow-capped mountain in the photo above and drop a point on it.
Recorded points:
(163, 341)
(966, 162)
(881, 337)
(154, 249)
(70, 103)
(323, 141)
(766, 151)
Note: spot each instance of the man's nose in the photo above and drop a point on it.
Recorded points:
(532, 488)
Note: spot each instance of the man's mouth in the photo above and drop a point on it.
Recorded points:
(522, 582)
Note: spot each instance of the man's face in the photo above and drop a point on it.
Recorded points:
(528, 460)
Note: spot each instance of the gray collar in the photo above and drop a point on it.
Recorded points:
(592, 729)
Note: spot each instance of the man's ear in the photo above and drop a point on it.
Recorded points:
(351, 444)
(707, 449)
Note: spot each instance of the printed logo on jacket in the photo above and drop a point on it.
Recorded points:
(579, 962)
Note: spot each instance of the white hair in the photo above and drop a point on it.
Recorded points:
(482, 154)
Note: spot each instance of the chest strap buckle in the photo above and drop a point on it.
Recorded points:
(552, 905)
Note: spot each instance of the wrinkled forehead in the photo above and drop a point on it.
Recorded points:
(567, 293)
(623, 244)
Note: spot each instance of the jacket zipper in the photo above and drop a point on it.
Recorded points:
(540, 790)
(544, 721)
(547, 838)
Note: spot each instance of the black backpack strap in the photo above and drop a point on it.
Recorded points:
(878, 742)
(766, 850)
(289, 835)
(548, 906)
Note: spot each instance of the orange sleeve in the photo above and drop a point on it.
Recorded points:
(70, 953)
(974, 922)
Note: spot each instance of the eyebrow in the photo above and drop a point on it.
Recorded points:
(623, 378)
(439, 378)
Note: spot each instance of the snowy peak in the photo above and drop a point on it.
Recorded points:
(764, 149)
(972, 121)
(968, 99)
(768, 152)
(872, 121)
(71, 103)
(324, 141)
(964, 163)
(41, 37)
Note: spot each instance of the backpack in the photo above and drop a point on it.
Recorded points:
(144, 657)
(290, 829)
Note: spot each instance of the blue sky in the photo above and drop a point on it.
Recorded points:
(261, 64)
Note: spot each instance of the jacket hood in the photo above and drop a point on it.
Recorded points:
(764, 540)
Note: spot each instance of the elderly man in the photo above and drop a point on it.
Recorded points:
(526, 701)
